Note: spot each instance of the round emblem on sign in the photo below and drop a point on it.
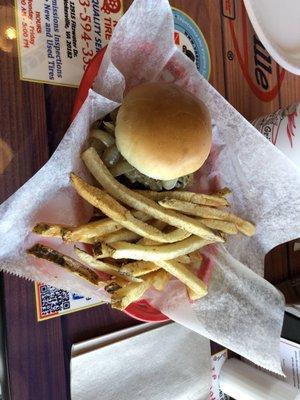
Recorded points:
(190, 40)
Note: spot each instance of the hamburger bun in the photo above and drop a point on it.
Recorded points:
(163, 131)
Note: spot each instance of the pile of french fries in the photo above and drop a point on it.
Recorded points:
(141, 238)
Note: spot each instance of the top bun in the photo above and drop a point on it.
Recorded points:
(163, 131)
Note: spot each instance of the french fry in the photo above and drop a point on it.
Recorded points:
(99, 265)
(223, 226)
(185, 259)
(88, 233)
(196, 260)
(115, 284)
(96, 264)
(102, 266)
(142, 203)
(129, 236)
(49, 254)
(113, 209)
(51, 230)
(161, 279)
(210, 213)
(112, 287)
(121, 235)
(149, 242)
(187, 277)
(121, 281)
(196, 198)
(132, 251)
(121, 298)
(142, 268)
(159, 225)
(193, 295)
(138, 268)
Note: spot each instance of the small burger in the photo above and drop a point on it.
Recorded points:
(162, 136)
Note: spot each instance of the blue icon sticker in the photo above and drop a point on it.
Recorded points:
(189, 39)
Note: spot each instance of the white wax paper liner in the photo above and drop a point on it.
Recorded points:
(265, 186)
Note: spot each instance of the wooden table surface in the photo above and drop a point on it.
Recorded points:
(34, 118)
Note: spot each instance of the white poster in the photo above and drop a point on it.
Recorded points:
(58, 38)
